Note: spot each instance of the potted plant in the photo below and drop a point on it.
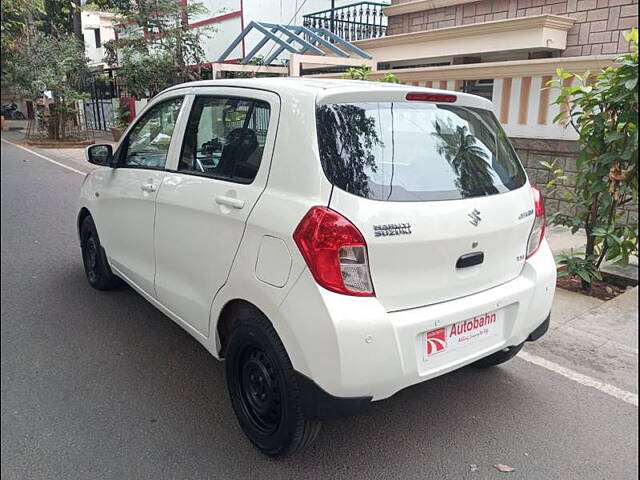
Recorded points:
(121, 120)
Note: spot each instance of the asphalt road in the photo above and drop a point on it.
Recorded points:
(102, 386)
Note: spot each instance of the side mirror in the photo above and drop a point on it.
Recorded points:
(101, 154)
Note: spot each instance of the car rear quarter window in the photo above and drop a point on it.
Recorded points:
(405, 151)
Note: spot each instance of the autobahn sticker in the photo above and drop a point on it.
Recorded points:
(461, 334)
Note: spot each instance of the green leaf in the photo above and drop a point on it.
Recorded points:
(610, 138)
(584, 276)
(616, 259)
(632, 36)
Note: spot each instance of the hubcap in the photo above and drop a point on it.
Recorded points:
(259, 390)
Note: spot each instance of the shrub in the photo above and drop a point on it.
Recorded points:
(603, 110)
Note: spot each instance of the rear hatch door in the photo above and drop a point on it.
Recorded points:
(414, 247)
(436, 190)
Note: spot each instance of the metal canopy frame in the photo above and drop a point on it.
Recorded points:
(307, 38)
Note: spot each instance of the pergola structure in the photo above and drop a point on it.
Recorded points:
(306, 45)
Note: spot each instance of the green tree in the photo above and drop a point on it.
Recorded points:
(147, 75)
(61, 18)
(155, 46)
(603, 110)
(16, 15)
(55, 64)
(363, 72)
(111, 5)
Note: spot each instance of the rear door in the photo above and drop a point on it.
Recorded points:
(437, 192)
(205, 201)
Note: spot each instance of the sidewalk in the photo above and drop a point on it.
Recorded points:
(595, 338)
(74, 157)
(588, 335)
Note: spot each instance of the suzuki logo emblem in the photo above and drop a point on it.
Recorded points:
(475, 217)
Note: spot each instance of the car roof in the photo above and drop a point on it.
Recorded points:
(278, 84)
(326, 87)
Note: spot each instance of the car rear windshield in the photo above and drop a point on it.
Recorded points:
(405, 151)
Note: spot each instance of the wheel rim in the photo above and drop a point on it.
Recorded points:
(91, 258)
(259, 391)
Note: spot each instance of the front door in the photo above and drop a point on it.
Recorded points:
(203, 206)
(126, 198)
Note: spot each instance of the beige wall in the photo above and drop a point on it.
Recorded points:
(598, 28)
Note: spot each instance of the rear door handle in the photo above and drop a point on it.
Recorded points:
(230, 202)
(149, 187)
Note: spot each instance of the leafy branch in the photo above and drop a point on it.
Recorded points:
(603, 109)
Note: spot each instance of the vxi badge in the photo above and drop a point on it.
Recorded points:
(389, 229)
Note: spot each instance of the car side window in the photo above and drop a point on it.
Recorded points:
(148, 141)
(225, 138)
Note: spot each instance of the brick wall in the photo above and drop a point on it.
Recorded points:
(564, 153)
(598, 28)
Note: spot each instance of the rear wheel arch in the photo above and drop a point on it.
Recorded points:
(229, 310)
(234, 311)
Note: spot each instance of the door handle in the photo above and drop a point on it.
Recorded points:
(230, 202)
(470, 259)
(149, 187)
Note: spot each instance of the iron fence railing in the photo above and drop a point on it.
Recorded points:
(357, 21)
(102, 89)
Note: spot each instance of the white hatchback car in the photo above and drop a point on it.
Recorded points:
(333, 241)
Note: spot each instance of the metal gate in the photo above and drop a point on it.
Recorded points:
(104, 91)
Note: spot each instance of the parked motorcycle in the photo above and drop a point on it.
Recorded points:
(10, 112)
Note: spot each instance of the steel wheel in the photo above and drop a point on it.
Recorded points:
(96, 267)
(264, 392)
(91, 259)
(260, 394)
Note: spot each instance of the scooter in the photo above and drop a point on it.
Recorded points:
(11, 112)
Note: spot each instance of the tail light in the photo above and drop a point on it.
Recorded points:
(537, 232)
(335, 252)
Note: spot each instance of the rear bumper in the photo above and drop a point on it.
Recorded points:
(540, 331)
(351, 347)
(321, 405)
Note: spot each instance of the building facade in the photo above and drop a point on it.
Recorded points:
(97, 28)
(229, 17)
(505, 50)
(226, 17)
(597, 29)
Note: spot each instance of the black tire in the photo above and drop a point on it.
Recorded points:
(264, 391)
(18, 116)
(96, 267)
(499, 357)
